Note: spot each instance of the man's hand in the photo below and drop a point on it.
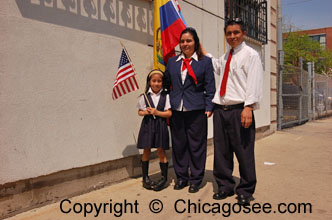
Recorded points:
(246, 117)
(202, 49)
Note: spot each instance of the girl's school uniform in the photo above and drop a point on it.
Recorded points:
(154, 132)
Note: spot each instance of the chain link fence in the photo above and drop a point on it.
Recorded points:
(294, 95)
(323, 96)
(302, 95)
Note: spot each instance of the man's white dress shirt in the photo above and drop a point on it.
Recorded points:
(245, 78)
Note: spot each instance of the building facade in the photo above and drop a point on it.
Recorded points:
(59, 125)
(322, 35)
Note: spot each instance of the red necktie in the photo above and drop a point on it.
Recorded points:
(186, 65)
(225, 77)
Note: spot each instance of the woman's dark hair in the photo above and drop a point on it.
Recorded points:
(193, 33)
(149, 77)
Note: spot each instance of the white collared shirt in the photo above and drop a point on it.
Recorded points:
(184, 75)
(155, 99)
(245, 78)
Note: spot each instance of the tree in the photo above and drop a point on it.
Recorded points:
(324, 62)
(296, 46)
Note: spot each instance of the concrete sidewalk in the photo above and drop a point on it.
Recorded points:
(293, 167)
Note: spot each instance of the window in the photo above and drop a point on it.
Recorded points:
(321, 38)
(254, 15)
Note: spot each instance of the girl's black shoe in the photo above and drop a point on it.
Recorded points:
(161, 182)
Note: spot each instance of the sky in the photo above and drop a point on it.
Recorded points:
(306, 14)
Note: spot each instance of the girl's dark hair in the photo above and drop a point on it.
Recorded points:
(148, 80)
(193, 33)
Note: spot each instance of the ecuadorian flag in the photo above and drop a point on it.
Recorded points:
(168, 25)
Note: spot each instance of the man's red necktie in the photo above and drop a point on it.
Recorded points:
(186, 65)
(225, 77)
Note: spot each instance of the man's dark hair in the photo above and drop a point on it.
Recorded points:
(234, 21)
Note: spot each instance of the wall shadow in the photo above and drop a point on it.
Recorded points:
(131, 20)
(208, 177)
(130, 150)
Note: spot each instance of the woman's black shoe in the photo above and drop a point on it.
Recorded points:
(180, 184)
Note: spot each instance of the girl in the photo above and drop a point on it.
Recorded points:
(155, 107)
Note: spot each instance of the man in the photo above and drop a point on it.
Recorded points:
(237, 95)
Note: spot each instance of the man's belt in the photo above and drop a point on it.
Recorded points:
(229, 107)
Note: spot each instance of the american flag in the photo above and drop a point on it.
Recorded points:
(125, 79)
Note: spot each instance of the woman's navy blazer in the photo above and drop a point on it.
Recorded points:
(195, 97)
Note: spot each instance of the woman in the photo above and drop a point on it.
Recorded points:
(191, 91)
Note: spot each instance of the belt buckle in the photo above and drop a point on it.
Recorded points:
(226, 108)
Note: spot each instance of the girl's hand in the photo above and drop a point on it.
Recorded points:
(146, 112)
(152, 111)
(143, 112)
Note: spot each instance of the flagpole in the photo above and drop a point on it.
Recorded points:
(154, 117)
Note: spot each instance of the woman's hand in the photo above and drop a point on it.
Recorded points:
(208, 114)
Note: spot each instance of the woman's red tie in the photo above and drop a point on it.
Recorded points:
(186, 65)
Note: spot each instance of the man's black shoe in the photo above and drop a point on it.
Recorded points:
(242, 200)
(222, 195)
(180, 184)
(193, 188)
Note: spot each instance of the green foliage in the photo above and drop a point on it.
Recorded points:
(296, 46)
(324, 63)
